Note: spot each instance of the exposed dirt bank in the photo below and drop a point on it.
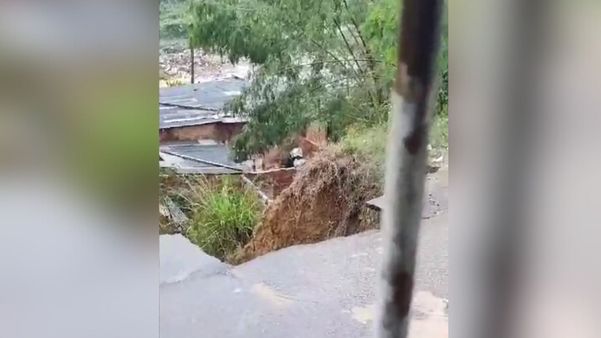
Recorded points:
(326, 199)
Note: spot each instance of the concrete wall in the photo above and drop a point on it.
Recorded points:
(220, 132)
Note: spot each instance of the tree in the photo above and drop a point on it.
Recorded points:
(318, 60)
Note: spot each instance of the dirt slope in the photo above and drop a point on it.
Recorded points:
(326, 199)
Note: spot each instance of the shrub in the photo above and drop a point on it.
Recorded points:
(439, 133)
(224, 217)
(368, 145)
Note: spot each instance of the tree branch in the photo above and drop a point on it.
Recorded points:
(370, 58)
(348, 46)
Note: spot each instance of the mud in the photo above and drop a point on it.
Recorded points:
(325, 199)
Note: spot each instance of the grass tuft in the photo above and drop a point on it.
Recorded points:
(225, 214)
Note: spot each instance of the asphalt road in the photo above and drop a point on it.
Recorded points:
(325, 289)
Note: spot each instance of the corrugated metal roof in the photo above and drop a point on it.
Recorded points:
(199, 158)
(197, 104)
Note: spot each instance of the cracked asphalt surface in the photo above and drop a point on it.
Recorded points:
(325, 289)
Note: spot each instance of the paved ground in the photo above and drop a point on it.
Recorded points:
(321, 290)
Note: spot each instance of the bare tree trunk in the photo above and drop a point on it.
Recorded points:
(406, 163)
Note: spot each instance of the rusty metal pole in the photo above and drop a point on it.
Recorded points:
(406, 162)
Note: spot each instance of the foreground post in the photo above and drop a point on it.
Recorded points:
(406, 162)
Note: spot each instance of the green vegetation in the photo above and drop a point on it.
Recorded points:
(325, 61)
(368, 146)
(330, 61)
(439, 133)
(225, 214)
(174, 20)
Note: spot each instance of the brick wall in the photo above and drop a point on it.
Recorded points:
(219, 132)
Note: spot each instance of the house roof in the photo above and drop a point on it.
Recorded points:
(198, 104)
(199, 158)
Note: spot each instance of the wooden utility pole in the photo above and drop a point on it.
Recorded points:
(191, 64)
(406, 162)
